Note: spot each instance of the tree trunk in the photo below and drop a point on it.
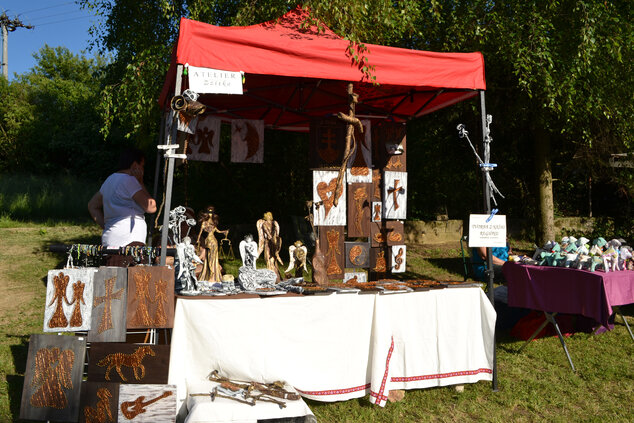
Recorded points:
(546, 222)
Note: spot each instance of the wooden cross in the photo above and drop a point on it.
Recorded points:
(106, 317)
(395, 191)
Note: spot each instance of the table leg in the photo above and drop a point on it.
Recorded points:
(539, 329)
(618, 311)
(551, 318)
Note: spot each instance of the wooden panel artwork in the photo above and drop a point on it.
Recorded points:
(355, 277)
(387, 232)
(128, 363)
(325, 213)
(327, 142)
(247, 141)
(150, 297)
(359, 210)
(377, 211)
(377, 185)
(395, 195)
(147, 403)
(389, 140)
(331, 241)
(99, 402)
(109, 305)
(360, 167)
(399, 254)
(52, 379)
(379, 261)
(68, 300)
(357, 255)
(204, 144)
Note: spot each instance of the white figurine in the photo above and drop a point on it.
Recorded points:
(248, 251)
(185, 266)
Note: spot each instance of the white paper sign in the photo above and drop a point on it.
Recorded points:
(487, 234)
(214, 81)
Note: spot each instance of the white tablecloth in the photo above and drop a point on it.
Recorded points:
(336, 347)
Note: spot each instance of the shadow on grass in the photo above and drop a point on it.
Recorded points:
(15, 383)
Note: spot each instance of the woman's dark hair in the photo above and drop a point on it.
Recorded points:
(129, 156)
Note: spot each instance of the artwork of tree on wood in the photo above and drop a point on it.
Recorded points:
(128, 363)
(247, 141)
(68, 300)
(395, 195)
(109, 305)
(360, 167)
(150, 302)
(327, 140)
(147, 403)
(379, 262)
(359, 210)
(331, 240)
(399, 253)
(52, 378)
(204, 144)
(324, 211)
(99, 402)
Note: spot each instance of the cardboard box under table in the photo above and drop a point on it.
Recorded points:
(334, 347)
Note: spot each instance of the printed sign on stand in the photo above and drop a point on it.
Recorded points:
(207, 80)
(487, 231)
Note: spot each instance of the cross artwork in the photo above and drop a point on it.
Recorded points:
(106, 317)
(328, 146)
(395, 191)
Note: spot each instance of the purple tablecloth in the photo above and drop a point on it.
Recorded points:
(571, 291)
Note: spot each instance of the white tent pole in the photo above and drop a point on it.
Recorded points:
(170, 172)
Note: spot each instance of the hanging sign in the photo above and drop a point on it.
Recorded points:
(214, 81)
(487, 231)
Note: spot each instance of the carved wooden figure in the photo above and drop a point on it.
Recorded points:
(377, 184)
(109, 305)
(204, 144)
(360, 167)
(52, 378)
(325, 213)
(147, 403)
(270, 242)
(357, 255)
(247, 141)
(399, 253)
(331, 240)
(150, 297)
(387, 232)
(359, 210)
(128, 363)
(99, 402)
(68, 300)
(395, 195)
(377, 211)
(327, 138)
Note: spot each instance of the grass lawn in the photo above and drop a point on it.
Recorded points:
(535, 385)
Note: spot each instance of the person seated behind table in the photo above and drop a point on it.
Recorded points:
(479, 259)
(121, 202)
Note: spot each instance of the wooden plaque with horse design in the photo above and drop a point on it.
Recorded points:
(128, 363)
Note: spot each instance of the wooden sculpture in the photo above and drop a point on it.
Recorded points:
(270, 242)
(212, 271)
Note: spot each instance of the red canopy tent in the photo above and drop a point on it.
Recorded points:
(294, 73)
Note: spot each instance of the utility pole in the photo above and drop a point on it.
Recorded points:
(8, 25)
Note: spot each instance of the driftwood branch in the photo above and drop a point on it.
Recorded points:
(351, 121)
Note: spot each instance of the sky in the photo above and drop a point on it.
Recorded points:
(56, 23)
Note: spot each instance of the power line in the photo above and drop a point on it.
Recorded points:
(64, 20)
(46, 8)
(43, 18)
(8, 25)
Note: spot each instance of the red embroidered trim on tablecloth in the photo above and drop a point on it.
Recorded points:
(440, 375)
(379, 396)
(336, 391)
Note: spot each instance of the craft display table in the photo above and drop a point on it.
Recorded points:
(334, 347)
(553, 290)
